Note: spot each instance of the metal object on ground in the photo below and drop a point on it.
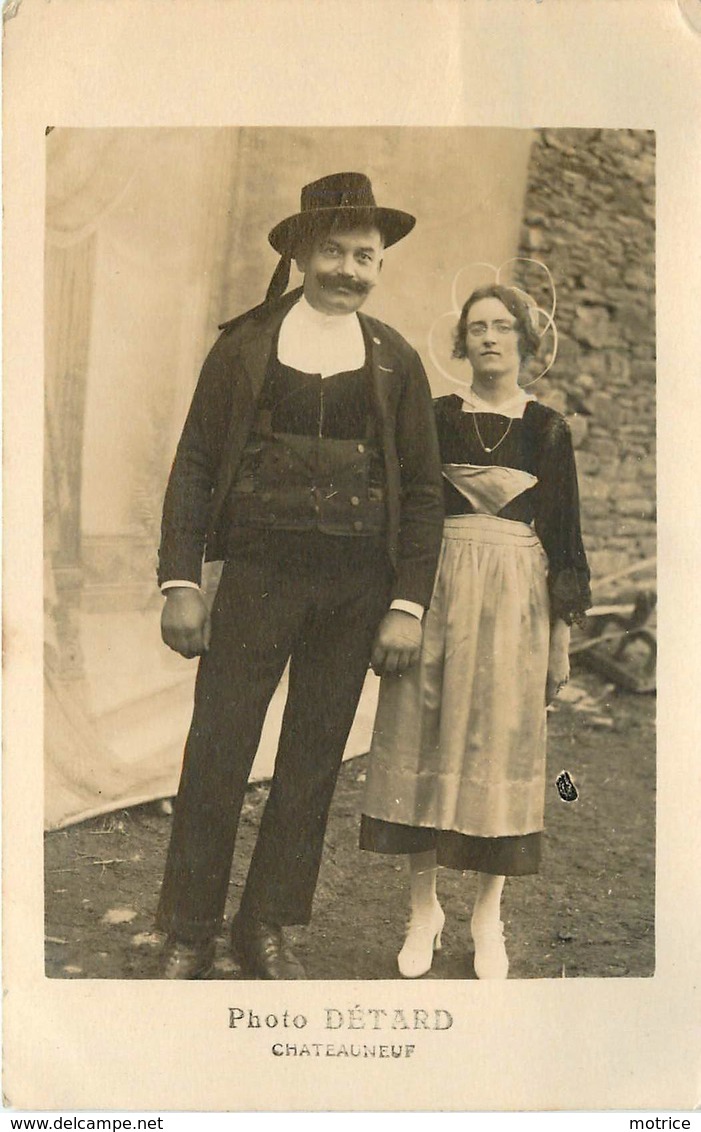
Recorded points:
(620, 644)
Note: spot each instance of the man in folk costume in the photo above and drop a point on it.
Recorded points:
(309, 464)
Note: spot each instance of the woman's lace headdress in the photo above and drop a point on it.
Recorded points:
(542, 320)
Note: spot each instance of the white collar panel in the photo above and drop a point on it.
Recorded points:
(314, 342)
(512, 407)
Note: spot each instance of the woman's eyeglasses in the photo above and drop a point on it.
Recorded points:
(479, 329)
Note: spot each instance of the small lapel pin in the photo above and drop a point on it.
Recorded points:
(377, 341)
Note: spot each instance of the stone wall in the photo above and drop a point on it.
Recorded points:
(589, 215)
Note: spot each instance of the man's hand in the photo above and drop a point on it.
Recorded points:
(185, 622)
(397, 643)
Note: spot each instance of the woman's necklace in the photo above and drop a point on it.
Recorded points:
(501, 440)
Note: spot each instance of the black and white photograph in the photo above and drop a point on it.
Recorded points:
(397, 387)
(349, 450)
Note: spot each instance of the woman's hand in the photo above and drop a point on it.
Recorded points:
(397, 643)
(558, 660)
(558, 676)
(185, 623)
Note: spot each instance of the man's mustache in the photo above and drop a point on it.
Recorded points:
(342, 282)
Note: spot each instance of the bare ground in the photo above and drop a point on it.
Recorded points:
(589, 912)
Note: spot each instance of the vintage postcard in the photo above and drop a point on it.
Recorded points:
(385, 313)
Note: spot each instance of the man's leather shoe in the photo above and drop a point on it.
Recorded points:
(262, 951)
(180, 960)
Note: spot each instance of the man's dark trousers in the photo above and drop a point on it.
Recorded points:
(314, 599)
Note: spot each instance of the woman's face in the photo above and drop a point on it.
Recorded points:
(492, 339)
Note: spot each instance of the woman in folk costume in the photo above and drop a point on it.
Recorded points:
(457, 767)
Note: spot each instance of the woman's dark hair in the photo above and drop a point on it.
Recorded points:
(528, 338)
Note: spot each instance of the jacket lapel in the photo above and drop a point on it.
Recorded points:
(257, 339)
(383, 364)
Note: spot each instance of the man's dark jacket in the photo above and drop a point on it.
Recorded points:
(219, 422)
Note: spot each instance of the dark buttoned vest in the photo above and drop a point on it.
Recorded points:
(312, 461)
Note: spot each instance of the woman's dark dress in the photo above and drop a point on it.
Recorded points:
(458, 757)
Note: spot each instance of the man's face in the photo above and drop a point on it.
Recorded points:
(341, 269)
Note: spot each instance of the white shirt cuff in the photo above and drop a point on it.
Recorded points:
(412, 607)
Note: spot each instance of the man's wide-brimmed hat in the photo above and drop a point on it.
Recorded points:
(343, 196)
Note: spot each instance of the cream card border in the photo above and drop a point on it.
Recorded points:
(518, 63)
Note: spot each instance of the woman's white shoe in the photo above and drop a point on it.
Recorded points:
(491, 960)
(423, 938)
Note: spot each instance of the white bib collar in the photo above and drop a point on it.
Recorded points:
(315, 342)
(513, 406)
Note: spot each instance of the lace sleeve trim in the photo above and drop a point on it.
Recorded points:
(570, 595)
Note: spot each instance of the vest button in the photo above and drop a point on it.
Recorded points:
(354, 501)
(357, 525)
(266, 497)
(361, 447)
(271, 519)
